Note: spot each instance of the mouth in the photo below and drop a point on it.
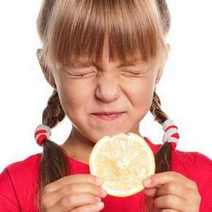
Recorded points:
(108, 116)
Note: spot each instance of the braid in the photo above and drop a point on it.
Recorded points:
(53, 165)
(53, 113)
(155, 109)
(162, 158)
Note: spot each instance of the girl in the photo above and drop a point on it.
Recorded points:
(103, 59)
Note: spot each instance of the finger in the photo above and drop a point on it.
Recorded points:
(150, 191)
(90, 208)
(77, 188)
(79, 178)
(71, 202)
(174, 188)
(158, 179)
(169, 202)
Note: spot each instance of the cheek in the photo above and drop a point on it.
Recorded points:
(74, 96)
(141, 93)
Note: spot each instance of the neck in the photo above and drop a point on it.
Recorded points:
(77, 146)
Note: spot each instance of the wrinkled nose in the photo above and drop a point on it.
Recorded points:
(108, 88)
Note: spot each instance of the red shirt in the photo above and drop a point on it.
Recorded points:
(18, 182)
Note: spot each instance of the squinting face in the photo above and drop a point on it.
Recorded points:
(107, 98)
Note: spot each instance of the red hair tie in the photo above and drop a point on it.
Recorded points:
(170, 132)
(42, 133)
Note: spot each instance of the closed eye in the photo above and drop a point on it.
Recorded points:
(132, 73)
(81, 75)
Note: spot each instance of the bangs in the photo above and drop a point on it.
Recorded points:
(79, 29)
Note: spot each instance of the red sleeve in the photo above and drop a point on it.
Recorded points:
(8, 198)
(204, 181)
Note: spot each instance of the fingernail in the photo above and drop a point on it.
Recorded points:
(147, 182)
(98, 199)
(99, 181)
(100, 204)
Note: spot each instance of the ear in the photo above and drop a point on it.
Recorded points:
(161, 66)
(46, 70)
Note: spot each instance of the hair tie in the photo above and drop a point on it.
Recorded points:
(42, 133)
(170, 132)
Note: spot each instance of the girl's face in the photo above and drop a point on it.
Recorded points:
(87, 91)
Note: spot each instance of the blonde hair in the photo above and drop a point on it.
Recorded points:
(74, 29)
(132, 28)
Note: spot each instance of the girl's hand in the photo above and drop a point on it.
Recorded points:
(74, 193)
(173, 192)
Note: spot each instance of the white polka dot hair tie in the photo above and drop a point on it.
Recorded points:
(42, 133)
(170, 132)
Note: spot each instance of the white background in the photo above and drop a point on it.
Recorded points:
(185, 88)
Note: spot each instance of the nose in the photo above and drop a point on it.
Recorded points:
(108, 88)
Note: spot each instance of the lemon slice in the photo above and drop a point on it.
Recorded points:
(123, 162)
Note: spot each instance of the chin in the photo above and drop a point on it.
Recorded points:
(98, 135)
